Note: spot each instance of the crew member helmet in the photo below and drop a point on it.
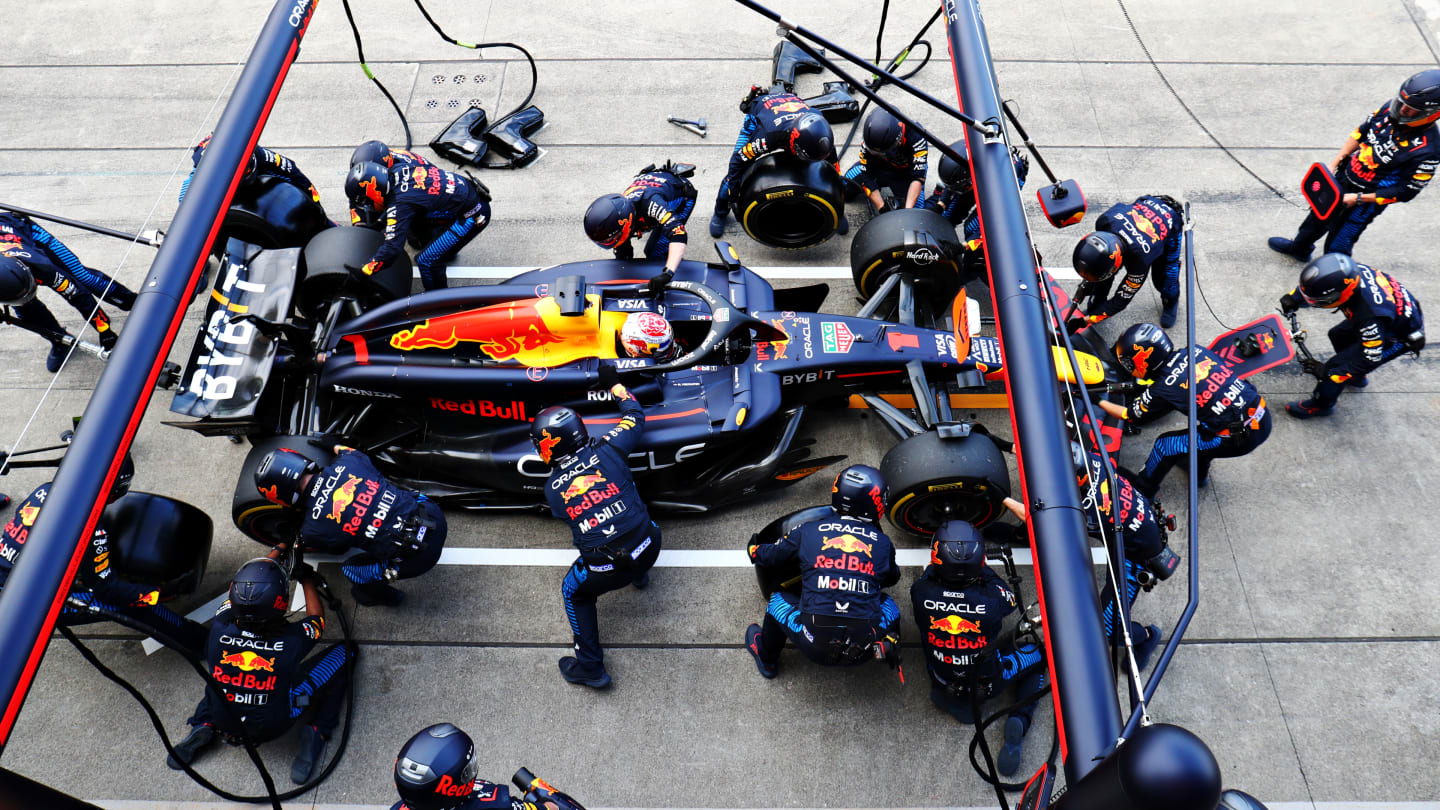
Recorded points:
(859, 491)
(259, 593)
(558, 432)
(17, 282)
(281, 476)
(958, 552)
(1418, 101)
(1142, 349)
(1098, 256)
(609, 220)
(1329, 280)
(436, 769)
(811, 138)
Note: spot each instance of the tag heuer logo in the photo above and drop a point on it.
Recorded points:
(835, 338)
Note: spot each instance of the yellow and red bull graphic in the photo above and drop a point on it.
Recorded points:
(591, 490)
(546, 445)
(848, 543)
(954, 632)
(247, 660)
(531, 332)
(850, 548)
(342, 496)
(1151, 229)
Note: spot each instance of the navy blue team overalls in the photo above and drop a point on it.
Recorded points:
(1233, 418)
(263, 163)
(428, 196)
(1132, 513)
(663, 203)
(908, 164)
(769, 122)
(841, 611)
(1149, 232)
(56, 267)
(594, 491)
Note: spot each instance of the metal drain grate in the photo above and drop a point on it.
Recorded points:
(453, 90)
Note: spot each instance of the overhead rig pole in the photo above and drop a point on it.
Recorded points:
(37, 587)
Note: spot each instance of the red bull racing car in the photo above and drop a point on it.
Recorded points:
(439, 387)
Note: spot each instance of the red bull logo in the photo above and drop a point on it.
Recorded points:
(1203, 368)
(954, 625)
(1141, 361)
(848, 543)
(1145, 226)
(1266, 341)
(28, 515)
(582, 484)
(247, 660)
(519, 330)
(546, 445)
(342, 497)
(372, 193)
(789, 106)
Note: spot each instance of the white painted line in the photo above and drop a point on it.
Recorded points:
(500, 273)
(150, 804)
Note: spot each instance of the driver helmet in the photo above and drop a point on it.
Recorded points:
(283, 475)
(259, 593)
(199, 152)
(558, 432)
(373, 152)
(1418, 101)
(1098, 256)
(1142, 349)
(811, 137)
(647, 334)
(956, 175)
(17, 283)
(884, 134)
(958, 553)
(367, 186)
(436, 769)
(609, 220)
(1329, 280)
(859, 492)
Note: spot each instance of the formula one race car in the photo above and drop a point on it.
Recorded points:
(439, 388)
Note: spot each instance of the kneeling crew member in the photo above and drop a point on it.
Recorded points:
(1382, 322)
(840, 618)
(892, 157)
(1232, 414)
(1144, 238)
(437, 770)
(591, 488)
(349, 504)
(960, 608)
(657, 202)
(261, 660)
(456, 208)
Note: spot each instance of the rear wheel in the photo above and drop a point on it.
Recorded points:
(911, 240)
(933, 480)
(256, 517)
(325, 278)
(789, 203)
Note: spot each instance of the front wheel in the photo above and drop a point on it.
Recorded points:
(932, 480)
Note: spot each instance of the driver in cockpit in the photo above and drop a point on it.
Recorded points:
(648, 334)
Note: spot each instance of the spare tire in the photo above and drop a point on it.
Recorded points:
(789, 203)
(273, 213)
(254, 515)
(159, 541)
(930, 480)
(324, 277)
(786, 577)
(910, 240)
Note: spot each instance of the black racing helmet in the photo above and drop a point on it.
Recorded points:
(811, 138)
(436, 769)
(367, 186)
(259, 593)
(956, 174)
(123, 478)
(884, 133)
(609, 220)
(373, 152)
(281, 476)
(1329, 280)
(558, 432)
(1098, 256)
(1142, 348)
(17, 282)
(958, 552)
(1418, 102)
(859, 492)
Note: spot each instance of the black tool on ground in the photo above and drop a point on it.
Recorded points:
(538, 790)
(787, 61)
(836, 103)
(463, 141)
(151, 238)
(696, 126)
(1321, 190)
(1062, 201)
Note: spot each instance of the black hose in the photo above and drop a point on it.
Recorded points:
(534, 72)
(979, 741)
(360, 49)
(899, 59)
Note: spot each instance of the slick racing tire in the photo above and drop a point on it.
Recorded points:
(788, 203)
(785, 577)
(916, 241)
(324, 277)
(932, 480)
(159, 541)
(273, 213)
(256, 517)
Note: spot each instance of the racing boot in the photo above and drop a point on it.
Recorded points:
(1145, 649)
(752, 643)
(1290, 248)
(199, 738)
(844, 226)
(371, 594)
(312, 751)
(56, 358)
(1354, 382)
(1169, 309)
(717, 223)
(1008, 762)
(641, 582)
(1306, 408)
(571, 671)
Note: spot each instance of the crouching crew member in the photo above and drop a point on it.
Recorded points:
(657, 202)
(1143, 237)
(450, 209)
(841, 617)
(437, 769)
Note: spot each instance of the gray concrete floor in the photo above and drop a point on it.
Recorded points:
(1310, 666)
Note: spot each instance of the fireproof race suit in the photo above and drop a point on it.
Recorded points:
(663, 203)
(769, 120)
(53, 265)
(1149, 232)
(263, 163)
(907, 164)
(1133, 514)
(441, 202)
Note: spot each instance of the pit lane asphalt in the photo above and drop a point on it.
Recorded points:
(1309, 668)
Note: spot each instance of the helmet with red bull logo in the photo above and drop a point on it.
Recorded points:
(436, 769)
(259, 593)
(558, 432)
(373, 152)
(958, 552)
(283, 475)
(609, 220)
(811, 137)
(1098, 256)
(884, 133)
(367, 186)
(647, 334)
(17, 283)
(859, 492)
(1418, 101)
(1142, 349)
(1329, 280)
